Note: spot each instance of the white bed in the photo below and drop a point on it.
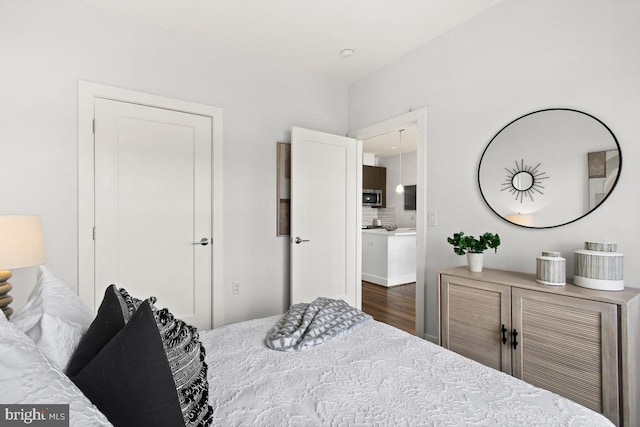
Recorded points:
(375, 375)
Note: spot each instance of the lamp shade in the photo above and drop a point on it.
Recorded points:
(21, 243)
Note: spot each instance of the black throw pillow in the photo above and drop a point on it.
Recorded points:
(150, 372)
(114, 312)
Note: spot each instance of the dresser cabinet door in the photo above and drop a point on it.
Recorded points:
(473, 314)
(569, 346)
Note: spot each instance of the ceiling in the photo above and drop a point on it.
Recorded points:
(388, 144)
(307, 35)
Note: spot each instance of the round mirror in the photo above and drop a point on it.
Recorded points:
(549, 168)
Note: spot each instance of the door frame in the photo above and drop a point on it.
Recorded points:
(418, 118)
(87, 93)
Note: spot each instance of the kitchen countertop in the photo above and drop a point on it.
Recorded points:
(398, 232)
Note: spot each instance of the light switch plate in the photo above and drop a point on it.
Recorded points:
(432, 219)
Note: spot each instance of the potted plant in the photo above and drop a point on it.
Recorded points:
(474, 247)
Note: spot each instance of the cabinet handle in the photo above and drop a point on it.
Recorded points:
(504, 335)
(514, 339)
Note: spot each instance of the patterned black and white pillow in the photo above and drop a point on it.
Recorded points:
(185, 355)
(141, 366)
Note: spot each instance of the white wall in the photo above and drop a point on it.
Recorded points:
(517, 57)
(46, 47)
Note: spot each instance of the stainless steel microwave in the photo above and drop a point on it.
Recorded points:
(372, 198)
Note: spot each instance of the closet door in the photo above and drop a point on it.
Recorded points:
(153, 207)
(569, 346)
(473, 315)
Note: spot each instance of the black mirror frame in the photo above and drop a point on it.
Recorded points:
(615, 183)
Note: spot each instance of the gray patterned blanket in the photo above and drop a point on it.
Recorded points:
(309, 324)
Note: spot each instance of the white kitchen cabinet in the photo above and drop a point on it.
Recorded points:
(580, 343)
(389, 257)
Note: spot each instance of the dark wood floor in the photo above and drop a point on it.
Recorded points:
(395, 306)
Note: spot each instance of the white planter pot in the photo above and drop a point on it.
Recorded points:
(475, 262)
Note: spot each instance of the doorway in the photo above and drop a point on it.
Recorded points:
(389, 255)
(416, 118)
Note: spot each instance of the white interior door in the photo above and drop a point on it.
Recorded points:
(326, 171)
(153, 206)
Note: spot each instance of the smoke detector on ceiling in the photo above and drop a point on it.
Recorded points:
(346, 52)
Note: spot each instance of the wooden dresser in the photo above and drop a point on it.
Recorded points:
(580, 343)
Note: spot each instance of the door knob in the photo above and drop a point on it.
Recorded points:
(204, 242)
(298, 240)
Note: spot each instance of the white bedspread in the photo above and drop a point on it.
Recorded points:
(376, 375)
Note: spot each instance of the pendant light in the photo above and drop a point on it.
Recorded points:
(400, 187)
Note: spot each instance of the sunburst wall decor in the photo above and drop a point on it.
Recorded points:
(524, 180)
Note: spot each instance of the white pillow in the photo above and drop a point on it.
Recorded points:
(28, 378)
(54, 318)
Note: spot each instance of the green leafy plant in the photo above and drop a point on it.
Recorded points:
(463, 244)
